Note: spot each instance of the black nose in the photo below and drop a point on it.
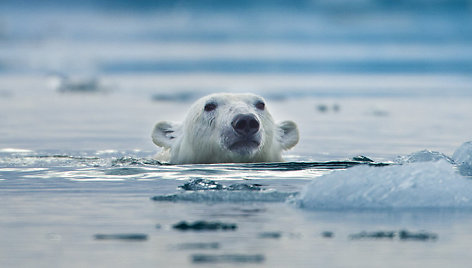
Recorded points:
(245, 124)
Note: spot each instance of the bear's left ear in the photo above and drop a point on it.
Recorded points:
(288, 134)
(165, 133)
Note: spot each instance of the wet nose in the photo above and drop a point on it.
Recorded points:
(245, 124)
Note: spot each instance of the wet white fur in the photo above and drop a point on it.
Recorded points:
(201, 137)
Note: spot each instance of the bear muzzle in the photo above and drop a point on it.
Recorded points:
(245, 136)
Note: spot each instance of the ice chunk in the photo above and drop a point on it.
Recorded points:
(463, 158)
(362, 158)
(375, 235)
(415, 185)
(198, 246)
(64, 83)
(132, 237)
(225, 196)
(423, 156)
(327, 234)
(402, 235)
(421, 236)
(228, 258)
(200, 184)
(205, 226)
(272, 235)
(244, 187)
(197, 184)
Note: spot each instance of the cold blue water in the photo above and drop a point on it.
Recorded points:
(380, 90)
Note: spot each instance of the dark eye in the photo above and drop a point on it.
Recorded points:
(260, 105)
(210, 107)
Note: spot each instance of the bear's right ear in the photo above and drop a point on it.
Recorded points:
(289, 135)
(165, 133)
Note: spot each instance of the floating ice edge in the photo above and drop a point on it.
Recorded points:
(426, 185)
(463, 158)
(423, 180)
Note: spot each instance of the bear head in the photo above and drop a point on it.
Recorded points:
(225, 128)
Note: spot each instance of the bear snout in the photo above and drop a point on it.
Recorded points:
(245, 124)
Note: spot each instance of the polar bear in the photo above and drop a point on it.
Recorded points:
(225, 128)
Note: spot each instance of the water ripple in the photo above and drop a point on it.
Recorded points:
(112, 167)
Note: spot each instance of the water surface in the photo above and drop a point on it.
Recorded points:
(82, 85)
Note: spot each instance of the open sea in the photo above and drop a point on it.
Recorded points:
(381, 92)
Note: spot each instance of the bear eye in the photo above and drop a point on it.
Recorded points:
(260, 105)
(210, 107)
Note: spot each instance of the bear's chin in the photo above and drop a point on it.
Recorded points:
(244, 147)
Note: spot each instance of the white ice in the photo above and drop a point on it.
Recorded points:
(434, 185)
(423, 156)
(463, 158)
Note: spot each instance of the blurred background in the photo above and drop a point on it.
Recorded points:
(96, 37)
(378, 77)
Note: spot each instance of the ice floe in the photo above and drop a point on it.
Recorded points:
(423, 156)
(227, 258)
(425, 179)
(225, 196)
(463, 158)
(402, 235)
(129, 237)
(204, 226)
(414, 185)
(204, 190)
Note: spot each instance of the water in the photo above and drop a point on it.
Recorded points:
(82, 85)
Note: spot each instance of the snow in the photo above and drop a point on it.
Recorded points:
(434, 185)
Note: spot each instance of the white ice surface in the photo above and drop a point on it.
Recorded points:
(423, 156)
(415, 185)
(463, 158)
